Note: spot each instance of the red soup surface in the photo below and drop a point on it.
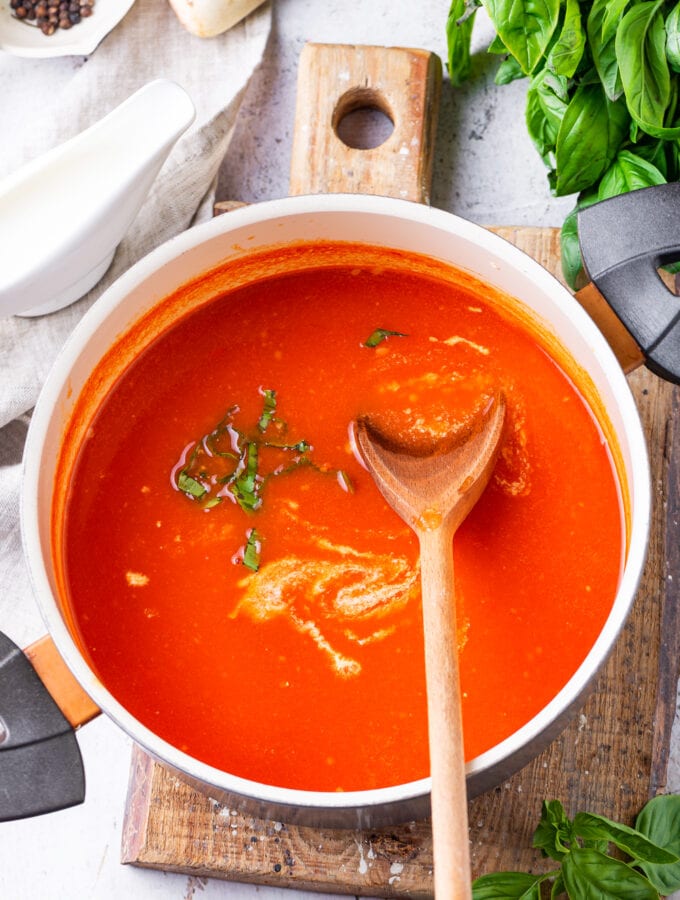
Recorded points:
(236, 579)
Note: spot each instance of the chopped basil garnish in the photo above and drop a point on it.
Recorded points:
(251, 552)
(245, 484)
(190, 485)
(380, 335)
(228, 464)
(269, 409)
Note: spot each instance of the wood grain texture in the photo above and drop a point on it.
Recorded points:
(334, 80)
(610, 759)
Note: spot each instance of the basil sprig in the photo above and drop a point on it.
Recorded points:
(602, 102)
(581, 847)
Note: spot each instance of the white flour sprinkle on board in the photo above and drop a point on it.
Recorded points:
(395, 872)
(363, 865)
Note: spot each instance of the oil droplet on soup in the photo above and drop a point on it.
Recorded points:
(253, 600)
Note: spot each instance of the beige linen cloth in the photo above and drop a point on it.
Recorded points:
(44, 102)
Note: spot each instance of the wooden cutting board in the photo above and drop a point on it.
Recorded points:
(614, 754)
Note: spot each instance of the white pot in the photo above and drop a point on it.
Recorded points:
(376, 221)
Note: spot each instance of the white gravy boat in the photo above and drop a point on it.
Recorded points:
(63, 214)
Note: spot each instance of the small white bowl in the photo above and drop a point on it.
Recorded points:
(22, 38)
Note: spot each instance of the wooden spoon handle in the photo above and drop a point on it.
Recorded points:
(450, 839)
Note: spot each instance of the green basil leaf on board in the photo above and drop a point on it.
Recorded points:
(628, 172)
(590, 135)
(660, 822)
(673, 38)
(458, 31)
(640, 848)
(580, 846)
(525, 27)
(641, 53)
(507, 886)
(567, 52)
(558, 889)
(590, 875)
(554, 833)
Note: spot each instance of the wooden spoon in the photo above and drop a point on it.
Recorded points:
(433, 493)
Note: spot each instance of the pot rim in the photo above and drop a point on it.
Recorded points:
(47, 414)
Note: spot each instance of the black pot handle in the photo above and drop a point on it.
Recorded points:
(41, 769)
(624, 240)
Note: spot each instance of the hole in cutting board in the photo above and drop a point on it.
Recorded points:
(362, 119)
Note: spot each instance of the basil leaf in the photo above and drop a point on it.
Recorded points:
(659, 154)
(268, 410)
(613, 13)
(539, 127)
(459, 25)
(602, 44)
(497, 46)
(659, 820)
(673, 38)
(590, 134)
(665, 133)
(380, 335)
(525, 27)
(507, 886)
(628, 172)
(572, 264)
(509, 70)
(191, 486)
(592, 827)
(590, 875)
(672, 153)
(641, 54)
(251, 551)
(558, 889)
(554, 832)
(567, 52)
(300, 447)
(244, 482)
(547, 102)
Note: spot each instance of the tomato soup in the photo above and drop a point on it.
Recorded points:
(237, 581)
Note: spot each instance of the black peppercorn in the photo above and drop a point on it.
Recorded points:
(49, 15)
